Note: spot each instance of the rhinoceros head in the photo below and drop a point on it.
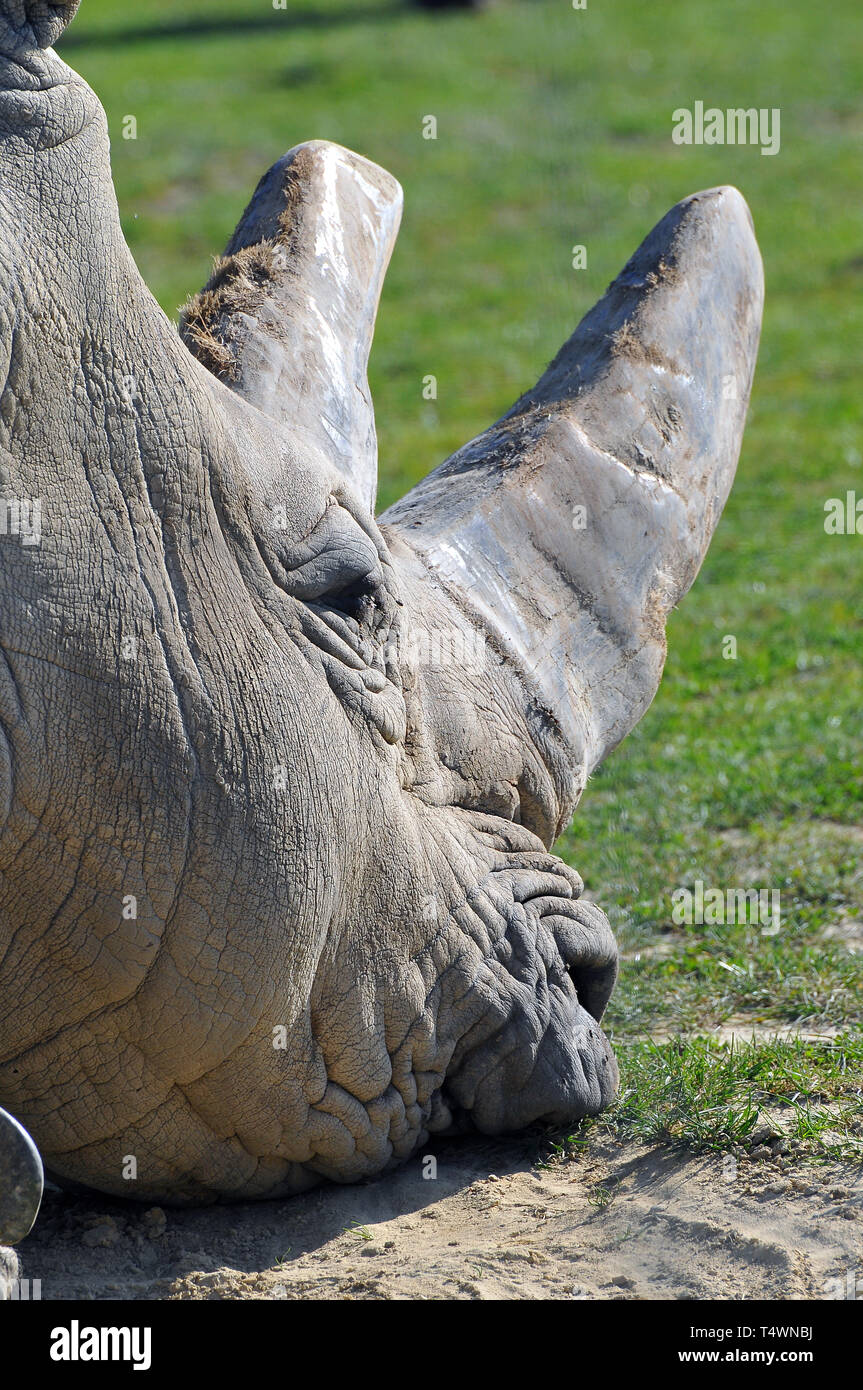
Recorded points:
(278, 780)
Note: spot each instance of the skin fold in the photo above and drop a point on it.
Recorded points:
(278, 781)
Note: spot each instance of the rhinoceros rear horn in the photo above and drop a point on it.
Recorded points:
(573, 526)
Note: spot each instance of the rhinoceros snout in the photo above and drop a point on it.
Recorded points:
(540, 1053)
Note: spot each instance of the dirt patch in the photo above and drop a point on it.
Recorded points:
(621, 1221)
(801, 841)
(742, 1030)
(848, 932)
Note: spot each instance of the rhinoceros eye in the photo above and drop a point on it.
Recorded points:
(354, 622)
(342, 578)
(357, 601)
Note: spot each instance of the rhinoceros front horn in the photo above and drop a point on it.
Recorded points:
(574, 525)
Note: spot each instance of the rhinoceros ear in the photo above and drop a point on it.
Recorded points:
(28, 24)
(287, 318)
(574, 524)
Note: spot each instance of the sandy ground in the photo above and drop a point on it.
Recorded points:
(619, 1222)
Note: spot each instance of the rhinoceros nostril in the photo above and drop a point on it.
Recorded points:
(593, 984)
(588, 950)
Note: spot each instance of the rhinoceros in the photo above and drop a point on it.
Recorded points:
(279, 780)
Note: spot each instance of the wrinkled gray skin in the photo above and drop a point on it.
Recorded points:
(227, 692)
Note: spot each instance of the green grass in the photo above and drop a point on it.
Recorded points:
(355, 1229)
(554, 129)
(805, 1099)
(690, 978)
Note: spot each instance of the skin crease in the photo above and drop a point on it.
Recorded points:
(276, 896)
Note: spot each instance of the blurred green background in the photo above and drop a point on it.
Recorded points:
(554, 129)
